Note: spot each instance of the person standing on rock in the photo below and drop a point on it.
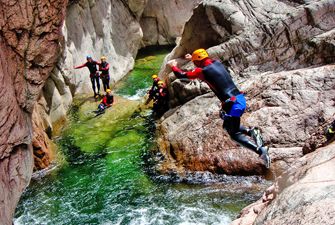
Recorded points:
(233, 101)
(94, 75)
(104, 76)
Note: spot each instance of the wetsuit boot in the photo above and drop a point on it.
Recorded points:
(265, 156)
(256, 135)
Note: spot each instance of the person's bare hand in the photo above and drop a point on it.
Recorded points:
(172, 63)
(188, 56)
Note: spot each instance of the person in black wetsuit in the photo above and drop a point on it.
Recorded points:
(94, 75)
(154, 88)
(104, 76)
(233, 101)
(161, 99)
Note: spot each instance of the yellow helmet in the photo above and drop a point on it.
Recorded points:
(154, 76)
(199, 54)
(160, 82)
(103, 58)
(108, 91)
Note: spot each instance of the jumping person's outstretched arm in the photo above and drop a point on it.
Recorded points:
(194, 74)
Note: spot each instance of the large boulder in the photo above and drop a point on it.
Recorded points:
(289, 105)
(286, 105)
(29, 49)
(192, 139)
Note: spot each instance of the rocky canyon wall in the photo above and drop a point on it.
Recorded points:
(29, 49)
(94, 28)
(281, 53)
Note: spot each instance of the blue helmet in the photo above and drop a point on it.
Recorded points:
(88, 57)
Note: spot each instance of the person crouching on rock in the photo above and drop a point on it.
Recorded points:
(104, 76)
(161, 99)
(233, 101)
(94, 75)
(106, 102)
(154, 88)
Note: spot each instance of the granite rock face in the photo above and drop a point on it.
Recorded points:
(258, 36)
(29, 49)
(99, 28)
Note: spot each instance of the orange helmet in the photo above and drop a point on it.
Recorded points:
(199, 54)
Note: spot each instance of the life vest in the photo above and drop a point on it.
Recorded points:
(104, 65)
(108, 99)
(220, 81)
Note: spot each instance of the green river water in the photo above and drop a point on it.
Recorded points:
(104, 175)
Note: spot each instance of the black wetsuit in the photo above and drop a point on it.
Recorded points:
(104, 68)
(94, 76)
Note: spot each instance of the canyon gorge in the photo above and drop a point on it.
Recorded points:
(281, 53)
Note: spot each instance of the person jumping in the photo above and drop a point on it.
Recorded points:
(233, 101)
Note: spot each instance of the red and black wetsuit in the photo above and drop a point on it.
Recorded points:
(219, 80)
(107, 101)
(215, 75)
(104, 68)
(94, 76)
